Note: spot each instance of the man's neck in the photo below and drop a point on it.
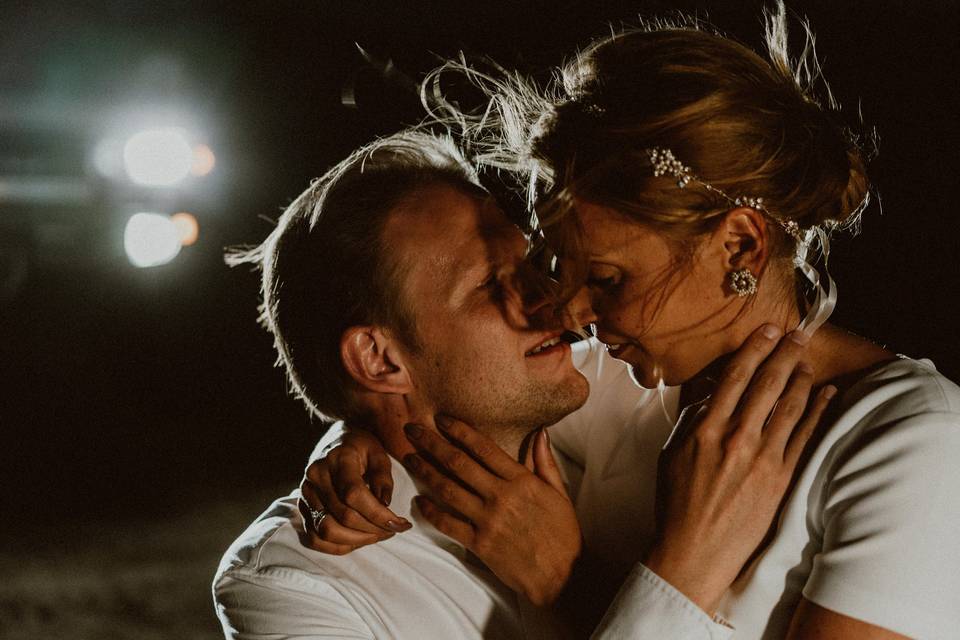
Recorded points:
(390, 412)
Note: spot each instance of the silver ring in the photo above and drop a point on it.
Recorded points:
(316, 517)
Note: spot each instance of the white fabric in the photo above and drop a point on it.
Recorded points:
(870, 530)
(419, 584)
(649, 607)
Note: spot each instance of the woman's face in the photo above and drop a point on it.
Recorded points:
(662, 311)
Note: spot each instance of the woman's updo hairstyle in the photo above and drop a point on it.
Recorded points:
(747, 126)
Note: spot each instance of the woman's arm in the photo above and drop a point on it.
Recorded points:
(813, 622)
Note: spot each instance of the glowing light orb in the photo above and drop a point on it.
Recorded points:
(203, 160)
(158, 157)
(151, 239)
(187, 227)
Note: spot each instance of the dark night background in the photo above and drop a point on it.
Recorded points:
(143, 424)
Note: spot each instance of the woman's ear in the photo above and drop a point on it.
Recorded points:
(746, 242)
(374, 360)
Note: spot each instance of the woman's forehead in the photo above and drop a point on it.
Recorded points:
(606, 230)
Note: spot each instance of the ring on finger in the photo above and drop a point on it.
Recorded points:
(316, 517)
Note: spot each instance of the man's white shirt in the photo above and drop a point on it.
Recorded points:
(418, 584)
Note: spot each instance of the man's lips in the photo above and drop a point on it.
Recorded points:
(546, 344)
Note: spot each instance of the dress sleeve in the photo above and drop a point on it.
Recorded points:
(890, 524)
(284, 603)
(648, 607)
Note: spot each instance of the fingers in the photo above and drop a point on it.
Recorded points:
(739, 371)
(805, 430)
(379, 477)
(447, 523)
(332, 532)
(317, 488)
(443, 489)
(481, 448)
(789, 410)
(769, 382)
(453, 459)
(544, 464)
(352, 491)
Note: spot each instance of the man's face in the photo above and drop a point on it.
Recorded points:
(481, 359)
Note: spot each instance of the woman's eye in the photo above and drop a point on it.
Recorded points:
(598, 282)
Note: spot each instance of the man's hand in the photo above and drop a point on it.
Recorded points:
(721, 484)
(352, 485)
(521, 525)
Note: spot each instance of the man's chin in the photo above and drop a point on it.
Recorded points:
(566, 398)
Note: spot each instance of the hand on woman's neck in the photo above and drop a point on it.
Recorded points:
(834, 353)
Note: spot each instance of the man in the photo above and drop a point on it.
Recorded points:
(390, 288)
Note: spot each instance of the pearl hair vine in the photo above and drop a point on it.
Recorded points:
(665, 163)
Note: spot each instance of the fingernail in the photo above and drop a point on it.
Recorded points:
(800, 337)
(398, 527)
(442, 421)
(386, 498)
(770, 331)
(829, 391)
(411, 461)
(546, 436)
(413, 431)
(805, 368)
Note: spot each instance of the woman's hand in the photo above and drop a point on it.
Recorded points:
(521, 525)
(721, 483)
(353, 486)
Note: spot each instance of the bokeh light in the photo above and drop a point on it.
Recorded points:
(187, 227)
(203, 160)
(151, 239)
(158, 157)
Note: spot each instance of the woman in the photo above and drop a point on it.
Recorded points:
(688, 181)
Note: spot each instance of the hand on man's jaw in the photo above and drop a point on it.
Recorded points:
(386, 414)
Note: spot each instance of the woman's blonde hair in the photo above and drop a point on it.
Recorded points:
(748, 126)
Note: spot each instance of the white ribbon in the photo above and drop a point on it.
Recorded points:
(825, 297)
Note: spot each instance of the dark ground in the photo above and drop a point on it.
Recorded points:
(142, 423)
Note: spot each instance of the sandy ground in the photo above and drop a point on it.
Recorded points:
(137, 581)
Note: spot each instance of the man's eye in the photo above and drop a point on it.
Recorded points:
(491, 282)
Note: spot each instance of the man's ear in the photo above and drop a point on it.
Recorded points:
(374, 360)
(746, 240)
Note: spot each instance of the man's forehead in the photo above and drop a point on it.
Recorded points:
(448, 227)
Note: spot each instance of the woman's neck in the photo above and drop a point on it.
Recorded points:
(836, 354)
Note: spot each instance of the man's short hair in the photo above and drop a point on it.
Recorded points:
(326, 267)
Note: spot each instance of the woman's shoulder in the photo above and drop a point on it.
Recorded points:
(902, 413)
(903, 388)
